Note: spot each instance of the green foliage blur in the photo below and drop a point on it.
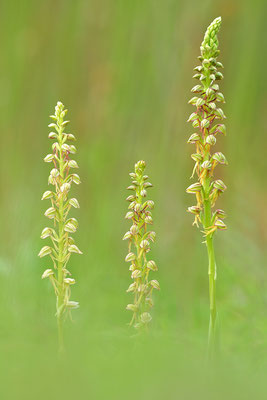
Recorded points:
(124, 70)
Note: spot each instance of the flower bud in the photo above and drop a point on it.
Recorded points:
(69, 281)
(220, 224)
(211, 140)
(130, 257)
(49, 158)
(219, 158)
(193, 117)
(219, 114)
(55, 147)
(127, 235)
(74, 203)
(69, 227)
(152, 265)
(205, 123)
(50, 213)
(136, 274)
(131, 198)
(72, 164)
(132, 287)
(145, 245)
(75, 178)
(53, 125)
(47, 195)
(220, 97)
(134, 229)
(65, 147)
(65, 187)
(132, 307)
(54, 173)
(209, 92)
(212, 106)
(129, 215)
(53, 135)
(219, 185)
(196, 123)
(137, 207)
(219, 64)
(73, 221)
(45, 251)
(74, 249)
(140, 167)
(212, 77)
(72, 149)
(206, 165)
(148, 220)
(218, 76)
(200, 102)
(220, 213)
(152, 236)
(194, 138)
(143, 193)
(46, 232)
(195, 188)
(70, 137)
(132, 205)
(194, 210)
(197, 157)
(155, 284)
(150, 204)
(47, 273)
(147, 185)
(197, 89)
(193, 100)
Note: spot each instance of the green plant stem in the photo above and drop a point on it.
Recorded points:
(212, 278)
(61, 347)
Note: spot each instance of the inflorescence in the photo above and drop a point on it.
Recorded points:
(139, 237)
(205, 120)
(63, 244)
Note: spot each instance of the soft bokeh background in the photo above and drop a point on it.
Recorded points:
(123, 69)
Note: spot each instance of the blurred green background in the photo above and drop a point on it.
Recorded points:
(124, 70)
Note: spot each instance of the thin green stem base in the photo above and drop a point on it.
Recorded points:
(61, 348)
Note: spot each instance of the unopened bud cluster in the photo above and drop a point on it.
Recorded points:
(62, 243)
(140, 237)
(207, 120)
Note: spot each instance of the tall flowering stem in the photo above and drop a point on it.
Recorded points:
(62, 244)
(139, 237)
(206, 119)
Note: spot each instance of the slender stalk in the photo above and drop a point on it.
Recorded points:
(206, 190)
(61, 347)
